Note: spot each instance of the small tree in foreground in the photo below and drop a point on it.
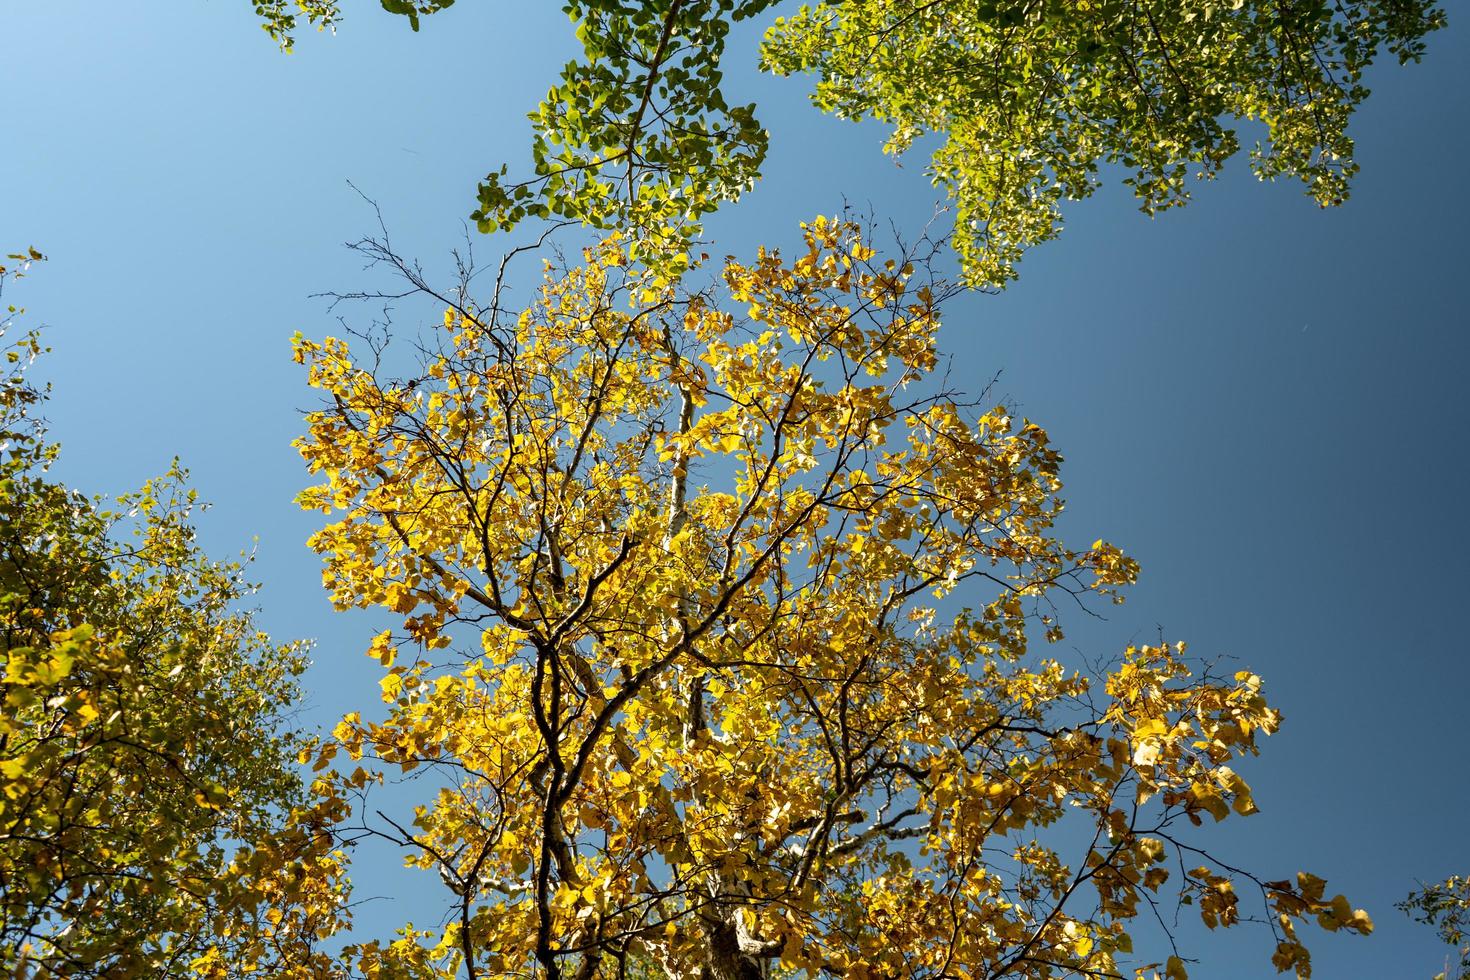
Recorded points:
(152, 821)
(716, 655)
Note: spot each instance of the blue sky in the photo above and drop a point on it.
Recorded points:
(1263, 402)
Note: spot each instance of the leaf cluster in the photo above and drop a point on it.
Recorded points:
(149, 802)
(637, 135)
(1030, 101)
(1446, 906)
(717, 646)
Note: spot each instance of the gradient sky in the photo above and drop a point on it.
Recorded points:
(1261, 401)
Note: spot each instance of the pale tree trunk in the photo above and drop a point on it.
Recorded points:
(723, 957)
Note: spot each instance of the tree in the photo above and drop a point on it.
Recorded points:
(152, 820)
(1029, 100)
(1446, 906)
(717, 651)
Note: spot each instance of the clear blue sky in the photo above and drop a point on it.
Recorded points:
(1264, 402)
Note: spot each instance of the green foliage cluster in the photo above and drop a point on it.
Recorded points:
(144, 735)
(637, 135)
(282, 18)
(1446, 906)
(1029, 99)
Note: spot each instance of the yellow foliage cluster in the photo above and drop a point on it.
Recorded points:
(716, 639)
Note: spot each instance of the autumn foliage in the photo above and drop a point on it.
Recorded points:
(717, 641)
(725, 620)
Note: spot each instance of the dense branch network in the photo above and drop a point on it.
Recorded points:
(716, 644)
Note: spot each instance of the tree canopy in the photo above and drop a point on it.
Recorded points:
(1028, 103)
(728, 623)
(152, 819)
(720, 613)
